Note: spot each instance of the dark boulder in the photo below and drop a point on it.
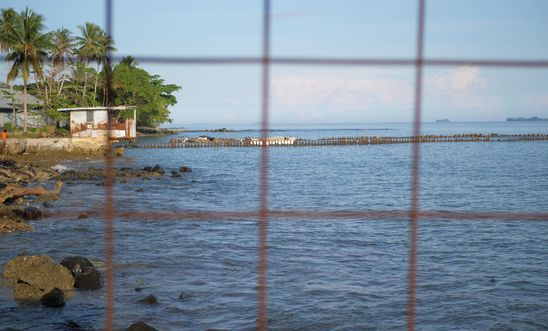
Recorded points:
(185, 296)
(148, 169)
(149, 299)
(8, 164)
(141, 326)
(175, 174)
(71, 325)
(185, 169)
(86, 276)
(32, 213)
(54, 299)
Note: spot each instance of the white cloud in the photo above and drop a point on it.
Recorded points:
(462, 87)
(342, 93)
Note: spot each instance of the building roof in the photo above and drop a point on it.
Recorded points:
(6, 101)
(96, 108)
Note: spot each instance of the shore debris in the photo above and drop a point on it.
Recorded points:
(13, 192)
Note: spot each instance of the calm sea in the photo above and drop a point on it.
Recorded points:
(322, 274)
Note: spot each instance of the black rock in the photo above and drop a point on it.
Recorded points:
(138, 289)
(2, 185)
(149, 299)
(141, 326)
(54, 299)
(185, 296)
(47, 204)
(140, 190)
(71, 325)
(156, 168)
(175, 174)
(18, 212)
(185, 169)
(148, 169)
(86, 276)
(82, 215)
(8, 164)
(32, 213)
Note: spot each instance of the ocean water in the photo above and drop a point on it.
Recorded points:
(323, 274)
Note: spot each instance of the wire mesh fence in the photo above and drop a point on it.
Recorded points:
(264, 214)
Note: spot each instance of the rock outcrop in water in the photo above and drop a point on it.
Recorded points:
(149, 299)
(141, 326)
(54, 299)
(86, 276)
(34, 276)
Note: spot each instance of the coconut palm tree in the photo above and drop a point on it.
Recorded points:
(7, 20)
(105, 47)
(129, 61)
(28, 45)
(62, 45)
(89, 46)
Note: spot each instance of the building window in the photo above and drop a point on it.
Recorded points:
(89, 116)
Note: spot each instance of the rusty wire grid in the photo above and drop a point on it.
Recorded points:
(263, 214)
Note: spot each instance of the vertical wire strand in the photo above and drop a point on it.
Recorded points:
(262, 322)
(414, 210)
(109, 187)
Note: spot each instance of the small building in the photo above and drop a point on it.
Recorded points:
(11, 109)
(93, 122)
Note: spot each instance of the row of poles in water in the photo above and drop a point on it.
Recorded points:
(336, 141)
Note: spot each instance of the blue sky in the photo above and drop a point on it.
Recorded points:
(481, 29)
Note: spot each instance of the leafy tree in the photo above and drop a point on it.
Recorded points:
(134, 86)
(28, 45)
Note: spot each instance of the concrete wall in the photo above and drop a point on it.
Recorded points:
(33, 120)
(80, 127)
(56, 145)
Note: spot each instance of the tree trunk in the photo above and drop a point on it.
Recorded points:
(85, 82)
(25, 106)
(14, 113)
(96, 80)
(62, 83)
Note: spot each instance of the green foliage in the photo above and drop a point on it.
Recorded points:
(136, 87)
(8, 126)
(65, 71)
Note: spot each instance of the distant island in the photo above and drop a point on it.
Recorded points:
(443, 120)
(522, 119)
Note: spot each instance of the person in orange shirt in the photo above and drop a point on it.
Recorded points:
(4, 137)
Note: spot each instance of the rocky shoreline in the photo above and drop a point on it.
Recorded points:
(28, 185)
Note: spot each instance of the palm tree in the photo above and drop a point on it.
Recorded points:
(129, 61)
(105, 47)
(89, 46)
(62, 43)
(7, 20)
(28, 45)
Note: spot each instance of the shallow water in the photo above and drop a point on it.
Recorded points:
(322, 274)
